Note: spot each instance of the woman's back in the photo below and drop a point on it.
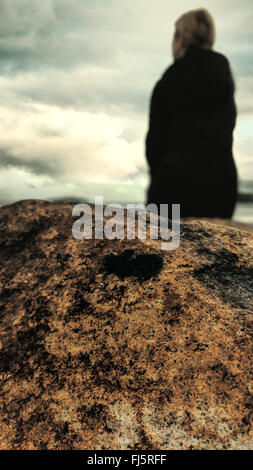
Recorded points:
(202, 98)
(190, 137)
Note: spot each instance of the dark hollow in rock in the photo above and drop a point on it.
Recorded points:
(143, 266)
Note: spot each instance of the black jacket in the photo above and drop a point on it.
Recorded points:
(190, 136)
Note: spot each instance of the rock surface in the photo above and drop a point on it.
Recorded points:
(117, 344)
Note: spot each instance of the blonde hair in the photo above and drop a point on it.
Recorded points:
(196, 27)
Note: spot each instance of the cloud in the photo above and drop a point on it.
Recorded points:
(129, 134)
(85, 145)
(111, 92)
(60, 34)
(56, 34)
(138, 176)
(21, 17)
(244, 95)
(17, 184)
(36, 166)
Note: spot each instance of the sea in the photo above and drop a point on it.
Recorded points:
(243, 212)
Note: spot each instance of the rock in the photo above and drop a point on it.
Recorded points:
(230, 223)
(118, 344)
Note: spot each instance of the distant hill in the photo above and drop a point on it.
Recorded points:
(245, 197)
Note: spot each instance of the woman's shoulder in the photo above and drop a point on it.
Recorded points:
(209, 61)
(170, 71)
(169, 75)
(218, 57)
(197, 52)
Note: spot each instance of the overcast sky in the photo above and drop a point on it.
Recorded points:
(76, 79)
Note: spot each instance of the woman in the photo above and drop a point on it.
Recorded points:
(191, 122)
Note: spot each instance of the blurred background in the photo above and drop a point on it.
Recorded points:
(76, 78)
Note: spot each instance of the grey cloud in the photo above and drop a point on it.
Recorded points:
(68, 37)
(54, 51)
(62, 34)
(129, 134)
(94, 92)
(141, 173)
(20, 17)
(49, 132)
(36, 166)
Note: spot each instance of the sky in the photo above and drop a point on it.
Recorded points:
(76, 78)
